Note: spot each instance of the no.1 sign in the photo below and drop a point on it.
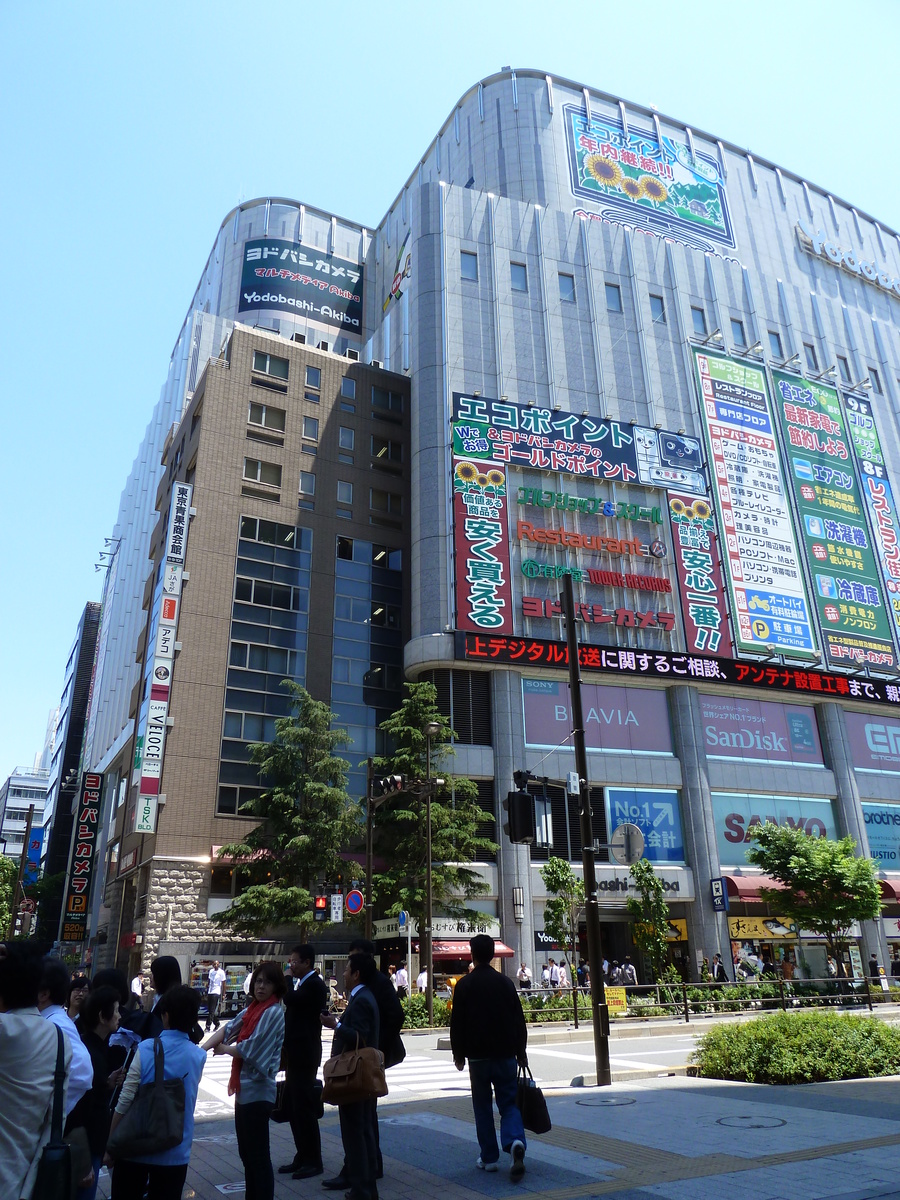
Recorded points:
(354, 902)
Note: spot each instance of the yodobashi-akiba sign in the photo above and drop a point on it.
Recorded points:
(759, 731)
(816, 241)
(615, 718)
(299, 280)
(874, 742)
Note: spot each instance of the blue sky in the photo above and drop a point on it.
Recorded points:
(128, 131)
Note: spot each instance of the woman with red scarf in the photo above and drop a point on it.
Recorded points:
(254, 1040)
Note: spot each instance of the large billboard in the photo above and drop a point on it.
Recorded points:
(634, 720)
(85, 834)
(644, 179)
(853, 619)
(759, 731)
(735, 815)
(770, 607)
(288, 277)
(483, 590)
(698, 562)
(874, 742)
(656, 812)
(883, 831)
(879, 497)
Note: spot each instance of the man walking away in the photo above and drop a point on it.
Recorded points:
(422, 982)
(214, 995)
(487, 1027)
(306, 999)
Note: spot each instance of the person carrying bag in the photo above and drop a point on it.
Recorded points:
(531, 1103)
(155, 1121)
(354, 1075)
(54, 1173)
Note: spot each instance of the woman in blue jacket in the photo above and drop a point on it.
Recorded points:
(161, 1176)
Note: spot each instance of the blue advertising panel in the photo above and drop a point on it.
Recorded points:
(883, 831)
(656, 812)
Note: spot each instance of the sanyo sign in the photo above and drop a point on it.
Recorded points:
(815, 241)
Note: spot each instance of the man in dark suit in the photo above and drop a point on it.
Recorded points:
(487, 1027)
(306, 999)
(359, 1023)
(390, 1043)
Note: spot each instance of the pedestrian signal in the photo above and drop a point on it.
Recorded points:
(321, 908)
(520, 827)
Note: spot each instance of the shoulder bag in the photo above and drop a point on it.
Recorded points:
(54, 1173)
(355, 1075)
(155, 1120)
(531, 1103)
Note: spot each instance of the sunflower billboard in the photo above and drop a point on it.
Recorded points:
(481, 537)
(697, 562)
(647, 179)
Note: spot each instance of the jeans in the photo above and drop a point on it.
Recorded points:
(251, 1125)
(499, 1073)
(212, 1009)
(130, 1180)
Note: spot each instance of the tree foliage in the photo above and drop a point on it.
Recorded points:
(564, 903)
(400, 820)
(825, 886)
(8, 874)
(651, 915)
(306, 819)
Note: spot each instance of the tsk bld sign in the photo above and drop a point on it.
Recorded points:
(815, 241)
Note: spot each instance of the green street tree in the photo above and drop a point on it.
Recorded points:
(9, 872)
(564, 903)
(825, 885)
(651, 916)
(306, 818)
(399, 823)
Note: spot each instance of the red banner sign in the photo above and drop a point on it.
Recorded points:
(481, 539)
(700, 584)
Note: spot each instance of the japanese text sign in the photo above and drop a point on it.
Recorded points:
(481, 538)
(85, 833)
(300, 280)
(696, 548)
(759, 731)
(657, 813)
(179, 519)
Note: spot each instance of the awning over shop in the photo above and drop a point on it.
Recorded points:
(745, 888)
(890, 890)
(445, 950)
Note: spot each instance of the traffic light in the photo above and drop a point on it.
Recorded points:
(519, 827)
(391, 784)
(321, 905)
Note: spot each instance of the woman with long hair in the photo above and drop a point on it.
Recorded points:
(254, 1039)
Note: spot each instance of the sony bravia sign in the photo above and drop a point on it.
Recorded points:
(816, 241)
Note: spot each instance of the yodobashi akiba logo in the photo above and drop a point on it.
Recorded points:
(296, 279)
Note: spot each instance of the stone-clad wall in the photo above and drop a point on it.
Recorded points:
(176, 907)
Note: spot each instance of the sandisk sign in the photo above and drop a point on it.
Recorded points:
(816, 241)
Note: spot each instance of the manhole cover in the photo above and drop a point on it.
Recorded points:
(751, 1122)
(597, 1101)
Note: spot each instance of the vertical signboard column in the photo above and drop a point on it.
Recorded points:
(853, 618)
(770, 606)
(81, 866)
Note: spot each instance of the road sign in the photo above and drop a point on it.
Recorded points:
(402, 918)
(337, 908)
(719, 894)
(627, 844)
(355, 902)
(27, 905)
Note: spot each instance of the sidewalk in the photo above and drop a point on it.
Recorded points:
(668, 1139)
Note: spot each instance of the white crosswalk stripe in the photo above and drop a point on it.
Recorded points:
(418, 1073)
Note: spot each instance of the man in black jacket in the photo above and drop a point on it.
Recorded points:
(487, 1027)
(306, 999)
(390, 1043)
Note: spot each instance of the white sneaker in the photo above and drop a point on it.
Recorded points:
(517, 1170)
(483, 1166)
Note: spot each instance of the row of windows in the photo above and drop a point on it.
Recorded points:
(277, 368)
(271, 595)
(368, 553)
(275, 533)
(266, 658)
(268, 417)
(28, 793)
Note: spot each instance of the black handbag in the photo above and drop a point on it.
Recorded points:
(531, 1103)
(54, 1174)
(155, 1120)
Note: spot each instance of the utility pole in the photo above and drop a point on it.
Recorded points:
(370, 821)
(599, 1011)
(19, 891)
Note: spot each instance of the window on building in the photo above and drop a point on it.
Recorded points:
(385, 502)
(262, 472)
(348, 388)
(775, 344)
(386, 401)
(566, 288)
(344, 492)
(468, 265)
(518, 277)
(307, 483)
(311, 428)
(876, 381)
(387, 450)
(268, 417)
(312, 397)
(657, 309)
(812, 360)
(313, 377)
(270, 364)
(737, 332)
(613, 297)
(844, 368)
(346, 437)
(698, 321)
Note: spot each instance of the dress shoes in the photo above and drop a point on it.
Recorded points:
(289, 1168)
(309, 1171)
(339, 1183)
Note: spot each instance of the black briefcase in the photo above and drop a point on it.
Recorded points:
(531, 1103)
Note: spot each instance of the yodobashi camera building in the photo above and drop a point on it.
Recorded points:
(586, 339)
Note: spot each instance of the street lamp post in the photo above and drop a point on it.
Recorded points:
(431, 730)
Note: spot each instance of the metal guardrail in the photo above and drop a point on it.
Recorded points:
(684, 1000)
